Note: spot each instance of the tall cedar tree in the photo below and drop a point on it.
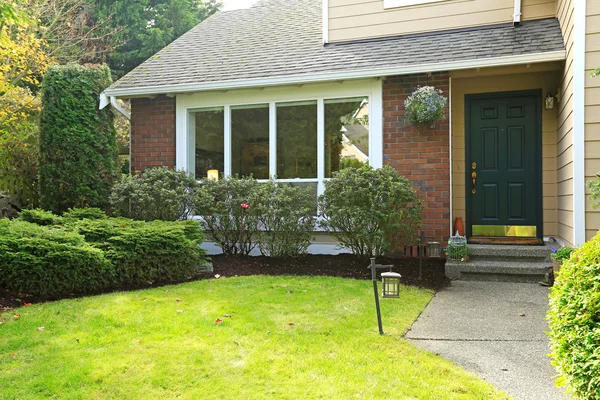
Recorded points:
(78, 148)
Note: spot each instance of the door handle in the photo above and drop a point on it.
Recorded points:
(474, 177)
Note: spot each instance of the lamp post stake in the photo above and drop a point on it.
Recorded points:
(374, 277)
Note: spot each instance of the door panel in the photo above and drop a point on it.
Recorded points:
(504, 163)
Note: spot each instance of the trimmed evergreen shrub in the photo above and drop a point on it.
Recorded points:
(155, 194)
(146, 252)
(286, 217)
(371, 211)
(230, 210)
(49, 261)
(77, 214)
(574, 319)
(40, 217)
(78, 147)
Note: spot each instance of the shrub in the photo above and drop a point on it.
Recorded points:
(155, 194)
(233, 227)
(286, 217)
(574, 319)
(146, 252)
(40, 217)
(78, 149)
(371, 211)
(49, 261)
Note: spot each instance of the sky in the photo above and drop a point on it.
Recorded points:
(235, 4)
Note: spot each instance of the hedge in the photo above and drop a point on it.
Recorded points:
(76, 256)
(78, 146)
(574, 319)
(49, 261)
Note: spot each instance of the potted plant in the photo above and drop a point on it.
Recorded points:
(458, 251)
(558, 256)
(425, 106)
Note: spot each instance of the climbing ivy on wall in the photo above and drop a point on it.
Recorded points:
(78, 148)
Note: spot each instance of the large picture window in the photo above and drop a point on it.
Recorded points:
(300, 135)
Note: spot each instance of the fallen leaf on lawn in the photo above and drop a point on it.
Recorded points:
(140, 341)
(180, 311)
(290, 292)
(77, 339)
(145, 300)
(236, 343)
(291, 324)
(17, 316)
(26, 304)
(522, 315)
(227, 315)
(218, 321)
(217, 276)
(41, 329)
(178, 300)
(14, 356)
(166, 290)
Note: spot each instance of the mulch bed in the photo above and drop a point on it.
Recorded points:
(343, 266)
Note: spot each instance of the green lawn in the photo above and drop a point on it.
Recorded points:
(281, 338)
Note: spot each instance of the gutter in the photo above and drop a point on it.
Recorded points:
(517, 14)
(105, 100)
(336, 76)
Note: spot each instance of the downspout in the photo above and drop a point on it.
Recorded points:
(517, 13)
(450, 155)
(105, 100)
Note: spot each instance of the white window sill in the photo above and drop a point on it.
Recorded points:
(404, 3)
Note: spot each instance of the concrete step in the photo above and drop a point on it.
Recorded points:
(498, 270)
(507, 253)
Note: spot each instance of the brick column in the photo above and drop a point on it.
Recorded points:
(423, 157)
(152, 133)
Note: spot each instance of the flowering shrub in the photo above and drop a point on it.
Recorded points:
(425, 106)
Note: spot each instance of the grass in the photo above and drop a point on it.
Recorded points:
(281, 338)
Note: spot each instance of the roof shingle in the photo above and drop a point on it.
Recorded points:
(280, 38)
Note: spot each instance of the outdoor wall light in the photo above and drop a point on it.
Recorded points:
(391, 285)
(434, 249)
(550, 101)
(212, 175)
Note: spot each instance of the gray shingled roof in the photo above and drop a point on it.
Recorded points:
(281, 38)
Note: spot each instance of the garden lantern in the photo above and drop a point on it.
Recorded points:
(212, 175)
(391, 285)
(434, 249)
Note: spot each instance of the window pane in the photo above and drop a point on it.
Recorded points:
(250, 141)
(297, 140)
(210, 142)
(346, 134)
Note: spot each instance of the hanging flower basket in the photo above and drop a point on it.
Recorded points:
(425, 106)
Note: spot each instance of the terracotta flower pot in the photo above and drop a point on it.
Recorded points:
(459, 227)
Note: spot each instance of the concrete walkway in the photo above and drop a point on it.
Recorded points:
(496, 330)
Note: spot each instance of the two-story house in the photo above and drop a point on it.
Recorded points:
(268, 91)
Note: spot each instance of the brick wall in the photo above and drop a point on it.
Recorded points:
(423, 157)
(152, 133)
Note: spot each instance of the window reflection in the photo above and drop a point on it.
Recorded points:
(297, 140)
(346, 134)
(210, 134)
(250, 141)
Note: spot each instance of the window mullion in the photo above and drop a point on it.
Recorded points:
(191, 143)
(320, 145)
(227, 144)
(272, 140)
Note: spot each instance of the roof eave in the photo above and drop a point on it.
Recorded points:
(327, 77)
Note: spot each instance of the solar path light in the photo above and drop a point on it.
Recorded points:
(391, 287)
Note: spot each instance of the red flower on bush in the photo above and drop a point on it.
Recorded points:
(245, 206)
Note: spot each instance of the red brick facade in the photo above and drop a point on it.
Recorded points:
(152, 133)
(423, 157)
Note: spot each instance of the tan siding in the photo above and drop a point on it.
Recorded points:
(361, 19)
(592, 111)
(541, 76)
(564, 150)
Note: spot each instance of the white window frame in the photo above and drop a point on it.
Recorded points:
(187, 104)
(405, 3)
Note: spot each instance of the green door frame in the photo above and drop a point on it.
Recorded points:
(537, 93)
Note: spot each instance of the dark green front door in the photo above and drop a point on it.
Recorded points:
(503, 152)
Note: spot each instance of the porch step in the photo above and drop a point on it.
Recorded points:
(503, 263)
